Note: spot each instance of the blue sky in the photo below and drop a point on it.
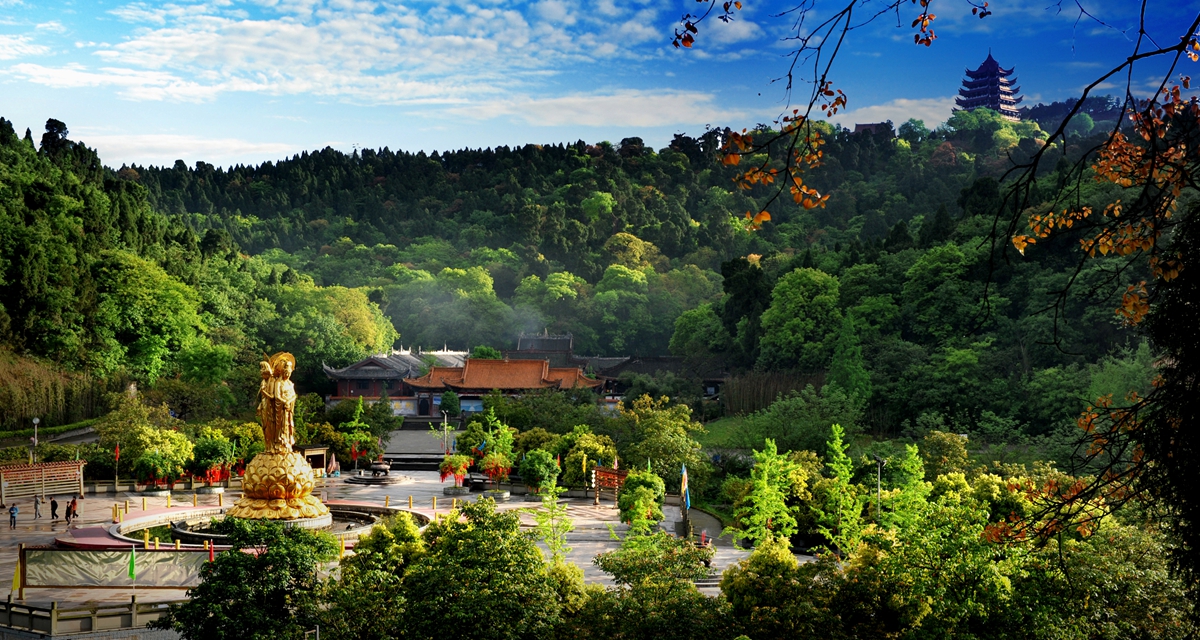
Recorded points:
(229, 82)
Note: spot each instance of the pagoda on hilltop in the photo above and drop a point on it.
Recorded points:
(990, 86)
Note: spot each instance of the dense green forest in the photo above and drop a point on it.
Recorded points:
(181, 276)
(889, 322)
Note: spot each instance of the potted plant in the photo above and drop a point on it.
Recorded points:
(496, 452)
(455, 465)
(496, 466)
(539, 471)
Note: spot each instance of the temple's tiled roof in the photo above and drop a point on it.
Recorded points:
(504, 375)
(571, 377)
(396, 365)
(437, 378)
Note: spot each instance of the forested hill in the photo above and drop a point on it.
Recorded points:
(633, 250)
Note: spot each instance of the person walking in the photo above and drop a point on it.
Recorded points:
(37, 507)
(53, 509)
(71, 511)
(12, 516)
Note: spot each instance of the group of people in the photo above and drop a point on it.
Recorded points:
(72, 511)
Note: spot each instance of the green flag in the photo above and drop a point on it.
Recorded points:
(648, 468)
(133, 562)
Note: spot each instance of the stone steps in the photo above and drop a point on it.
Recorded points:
(414, 461)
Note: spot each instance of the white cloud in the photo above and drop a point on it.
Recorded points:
(555, 11)
(53, 26)
(480, 59)
(132, 83)
(732, 32)
(12, 47)
(932, 111)
(164, 149)
(364, 51)
(621, 108)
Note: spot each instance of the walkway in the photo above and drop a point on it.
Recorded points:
(590, 538)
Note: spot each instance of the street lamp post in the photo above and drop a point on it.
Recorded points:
(36, 422)
(445, 431)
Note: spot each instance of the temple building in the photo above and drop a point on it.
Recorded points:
(384, 374)
(990, 86)
(414, 383)
(414, 380)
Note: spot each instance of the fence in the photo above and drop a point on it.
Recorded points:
(43, 479)
(756, 390)
(98, 617)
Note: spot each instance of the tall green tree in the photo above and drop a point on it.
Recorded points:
(800, 325)
(372, 580)
(848, 371)
(481, 578)
(840, 511)
(765, 513)
(266, 586)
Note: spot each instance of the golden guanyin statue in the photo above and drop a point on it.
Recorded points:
(278, 483)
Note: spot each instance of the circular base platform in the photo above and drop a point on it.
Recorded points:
(319, 522)
(455, 491)
(210, 490)
(499, 495)
(376, 481)
(155, 493)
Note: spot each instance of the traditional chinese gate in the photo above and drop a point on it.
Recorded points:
(608, 478)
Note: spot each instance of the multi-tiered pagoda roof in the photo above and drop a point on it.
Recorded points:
(990, 86)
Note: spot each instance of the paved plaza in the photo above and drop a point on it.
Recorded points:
(592, 535)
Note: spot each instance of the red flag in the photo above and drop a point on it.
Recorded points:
(211, 553)
(558, 461)
(353, 451)
(117, 453)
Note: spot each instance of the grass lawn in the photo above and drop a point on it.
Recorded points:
(721, 432)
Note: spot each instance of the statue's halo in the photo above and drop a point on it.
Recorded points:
(278, 359)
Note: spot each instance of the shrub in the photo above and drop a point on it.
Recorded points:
(211, 453)
(641, 498)
(535, 438)
(539, 470)
(153, 466)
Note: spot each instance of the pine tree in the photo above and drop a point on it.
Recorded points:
(839, 516)
(938, 230)
(766, 514)
(898, 239)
